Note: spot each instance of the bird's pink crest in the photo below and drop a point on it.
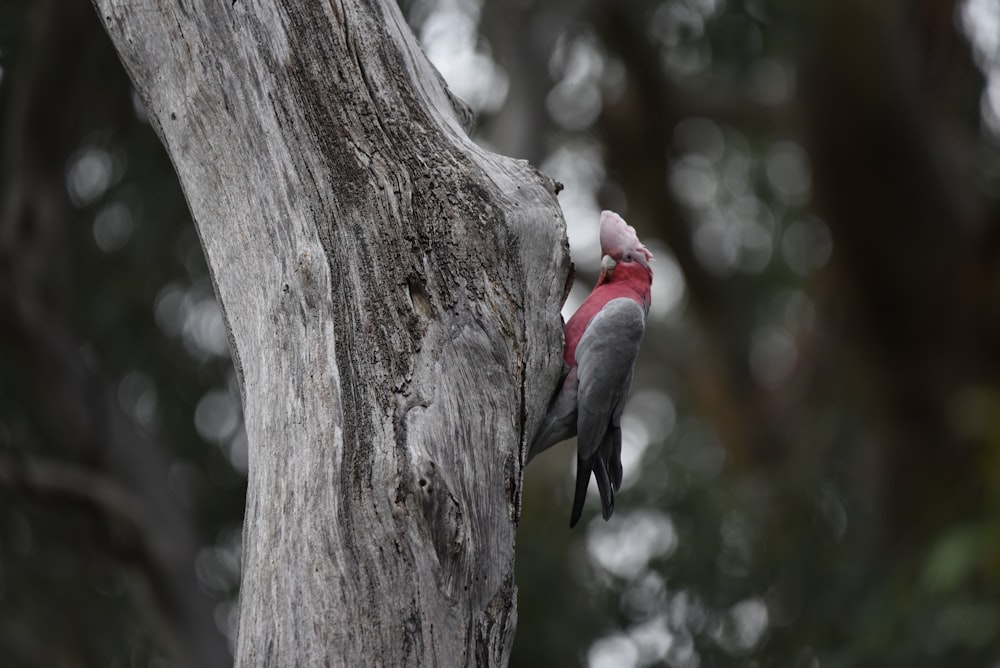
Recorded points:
(618, 237)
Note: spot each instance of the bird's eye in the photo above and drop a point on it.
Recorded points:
(627, 257)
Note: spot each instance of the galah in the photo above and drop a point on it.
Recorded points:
(602, 342)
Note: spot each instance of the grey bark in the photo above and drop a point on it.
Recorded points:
(392, 295)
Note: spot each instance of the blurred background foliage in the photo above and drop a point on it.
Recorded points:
(812, 448)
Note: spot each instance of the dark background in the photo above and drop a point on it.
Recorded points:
(812, 447)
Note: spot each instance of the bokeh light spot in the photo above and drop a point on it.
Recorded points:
(113, 227)
(88, 175)
(625, 547)
(788, 172)
(574, 105)
(450, 37)
(693, 181)
(773, 354)
(617, 651)
(806, 246)
(137, 397)
(701, 136)
(204, 330)
(216, 416)
(743, 626)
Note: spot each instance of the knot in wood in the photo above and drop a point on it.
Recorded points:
(443, 516)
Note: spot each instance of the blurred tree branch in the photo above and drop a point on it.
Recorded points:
(131, 531)
(523, 36)
(62, 404)
(637, 131)
(902, 224)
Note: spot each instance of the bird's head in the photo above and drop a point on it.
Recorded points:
(619, 243)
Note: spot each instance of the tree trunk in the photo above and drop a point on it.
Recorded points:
(392, 295)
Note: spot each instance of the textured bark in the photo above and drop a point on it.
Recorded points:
(392, 295)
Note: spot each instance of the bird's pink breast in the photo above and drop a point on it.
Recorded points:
(630, 280)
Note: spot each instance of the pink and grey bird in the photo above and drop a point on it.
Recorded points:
(602, 342)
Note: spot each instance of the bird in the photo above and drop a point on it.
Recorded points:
(602, 343)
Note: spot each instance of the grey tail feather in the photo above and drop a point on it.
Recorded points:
(604, 487)
(583, 469)
(606, 466)
(611, 452)
(607, 469)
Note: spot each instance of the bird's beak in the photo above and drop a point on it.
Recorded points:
(608, 265)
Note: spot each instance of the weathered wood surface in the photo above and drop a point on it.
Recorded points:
(392, 296)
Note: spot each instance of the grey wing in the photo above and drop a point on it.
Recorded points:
(560, 419)
(605, 360)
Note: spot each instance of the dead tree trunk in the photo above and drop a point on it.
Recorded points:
(392, 295)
